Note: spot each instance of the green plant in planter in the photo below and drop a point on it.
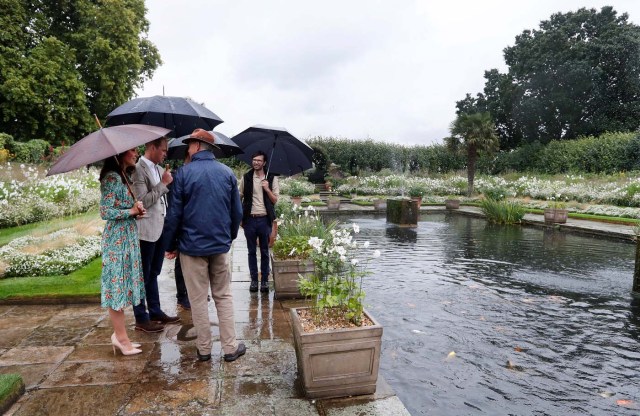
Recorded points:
(295, 227)
(417, 191)
(556, 203)
(292, 247)
(336, 285)
(502, 212)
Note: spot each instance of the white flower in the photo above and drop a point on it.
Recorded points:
(376, 254)
(365, 244)
(354, 261)
(293, 250)
(356, 228)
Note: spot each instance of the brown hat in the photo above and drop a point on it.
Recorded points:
(201, 135)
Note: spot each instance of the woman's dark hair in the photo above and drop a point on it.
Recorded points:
(113, 164)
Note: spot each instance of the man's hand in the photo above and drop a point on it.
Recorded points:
(265, 184)
(170, 255)
(167, 178)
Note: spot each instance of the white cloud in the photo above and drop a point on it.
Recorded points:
(386, 70)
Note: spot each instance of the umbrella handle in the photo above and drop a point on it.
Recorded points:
(97, 120)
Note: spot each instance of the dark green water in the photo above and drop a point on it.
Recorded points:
(540, 322)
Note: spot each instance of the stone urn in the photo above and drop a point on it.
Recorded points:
(296, 200)
(555, 215)
(452, 203)
(286, 274)
(339, 362)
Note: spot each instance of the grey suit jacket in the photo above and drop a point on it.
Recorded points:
(149, 226)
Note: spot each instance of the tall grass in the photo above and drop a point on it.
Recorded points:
(502, 212)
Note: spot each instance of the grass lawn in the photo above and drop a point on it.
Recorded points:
(11, 387)
(8, 234)
(84, 282)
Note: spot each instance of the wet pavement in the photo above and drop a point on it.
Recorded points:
(64, 355)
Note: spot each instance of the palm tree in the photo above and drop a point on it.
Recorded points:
(472, 134)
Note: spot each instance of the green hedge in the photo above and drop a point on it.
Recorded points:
(608, 153)
(358, 156)
(33, 151)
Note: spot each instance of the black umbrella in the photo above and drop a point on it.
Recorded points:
(182, 115)
(225, 147)
(286, 154)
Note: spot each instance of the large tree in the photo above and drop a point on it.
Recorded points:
(61, 62)
(578, 74)
(472, 134)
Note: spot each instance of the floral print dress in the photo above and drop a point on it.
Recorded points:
(122, 280)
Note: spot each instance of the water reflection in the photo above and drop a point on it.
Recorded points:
(539, 322)
(398, 234)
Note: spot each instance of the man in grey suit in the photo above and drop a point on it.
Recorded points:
(150, 186)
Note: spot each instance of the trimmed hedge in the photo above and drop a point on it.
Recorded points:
(607, 153)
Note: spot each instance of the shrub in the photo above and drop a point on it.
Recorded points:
(33, 151)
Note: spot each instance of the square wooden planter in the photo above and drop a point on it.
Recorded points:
(333, 204)
(555, 216)
(337, 363)
(452, 203)
(286, 275)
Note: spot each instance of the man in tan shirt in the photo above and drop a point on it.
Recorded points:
(259, 193)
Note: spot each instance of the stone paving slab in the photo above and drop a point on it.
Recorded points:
(64, 355)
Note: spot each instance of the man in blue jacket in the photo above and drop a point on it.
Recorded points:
(204, 217)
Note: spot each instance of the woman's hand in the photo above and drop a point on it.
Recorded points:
(138, 209)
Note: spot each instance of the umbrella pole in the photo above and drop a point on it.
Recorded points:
(271, 155)
(126, 179)
(97, 120)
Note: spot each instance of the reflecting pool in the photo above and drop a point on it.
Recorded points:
(485, 319)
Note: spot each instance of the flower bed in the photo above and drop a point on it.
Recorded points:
(27, 196)
(72, 251)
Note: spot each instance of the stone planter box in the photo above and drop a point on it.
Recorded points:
(452, 203)
(379, 204)
(555, 216)
(403, 212)
(286, 275)
(337, 363)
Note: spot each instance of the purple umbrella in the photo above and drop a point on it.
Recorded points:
(104, 143)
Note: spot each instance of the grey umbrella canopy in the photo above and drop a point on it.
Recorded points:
(286, 154)
(182, 115)
(225, 147)
(104, 143)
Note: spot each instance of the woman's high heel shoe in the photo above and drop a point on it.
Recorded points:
(115, 343)
(133, 344)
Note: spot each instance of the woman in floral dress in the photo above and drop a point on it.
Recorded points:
(122, 281)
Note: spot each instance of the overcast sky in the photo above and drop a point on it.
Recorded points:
(385, 70)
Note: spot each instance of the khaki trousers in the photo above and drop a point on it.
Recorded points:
(200, 274)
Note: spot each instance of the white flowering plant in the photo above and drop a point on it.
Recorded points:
(26, 196)
(340, 264)
(69, 252)
(295, 226)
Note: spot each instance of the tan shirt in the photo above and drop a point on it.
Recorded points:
(257, 203)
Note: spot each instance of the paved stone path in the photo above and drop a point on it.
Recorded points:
(64, 355)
